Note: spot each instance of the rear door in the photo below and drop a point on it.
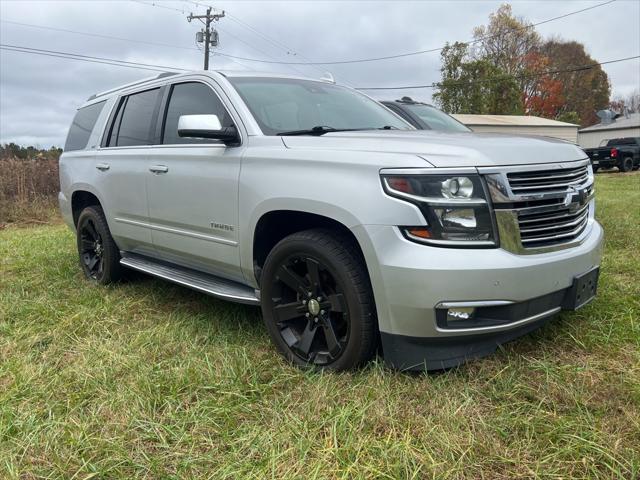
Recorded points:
(123, 165)
(193, 187)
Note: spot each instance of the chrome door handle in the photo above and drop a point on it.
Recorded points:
(159, 169)
(103, 167)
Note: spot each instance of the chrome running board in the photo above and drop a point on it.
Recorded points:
(200, 281)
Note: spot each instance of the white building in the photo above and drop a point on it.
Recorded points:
(621, 127)
(520, 125)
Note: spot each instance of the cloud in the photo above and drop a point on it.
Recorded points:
(39, 95)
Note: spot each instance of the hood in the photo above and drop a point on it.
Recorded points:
(447, 149)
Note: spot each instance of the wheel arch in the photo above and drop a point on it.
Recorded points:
(82, 197)
(274, 225)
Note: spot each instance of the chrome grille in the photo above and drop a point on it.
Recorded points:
(525, 183)
(541, 207)
(556, 226)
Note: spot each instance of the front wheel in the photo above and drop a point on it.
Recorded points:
(626, 165)
(317, 302)
(99, 254)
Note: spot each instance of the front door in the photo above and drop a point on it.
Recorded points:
(192, 188)
(122, 163)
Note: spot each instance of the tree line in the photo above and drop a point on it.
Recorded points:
(12, 150)
(499, 73)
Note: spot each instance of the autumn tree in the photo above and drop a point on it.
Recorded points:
(585, 85)
(543, 95)
(553, 78)
(630, 101)
(475, 86)
(507, 42)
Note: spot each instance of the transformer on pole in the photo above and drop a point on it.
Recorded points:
(208, 36)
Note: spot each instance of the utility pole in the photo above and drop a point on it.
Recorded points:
(207, 36)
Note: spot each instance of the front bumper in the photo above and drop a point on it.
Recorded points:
(410, 281)
(604, 163)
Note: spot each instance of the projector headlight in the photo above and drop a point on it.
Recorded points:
(455, 207)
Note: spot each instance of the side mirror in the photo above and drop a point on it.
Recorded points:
(206, 126)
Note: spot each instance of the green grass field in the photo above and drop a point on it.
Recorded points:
(145, 379)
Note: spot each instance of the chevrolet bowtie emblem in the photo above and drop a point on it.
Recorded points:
(569, 198)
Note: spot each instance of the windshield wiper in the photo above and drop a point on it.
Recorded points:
(322, 129)
(318, 130)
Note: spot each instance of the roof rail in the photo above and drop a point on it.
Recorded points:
(132, 84)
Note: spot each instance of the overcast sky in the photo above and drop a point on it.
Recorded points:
(39, 95)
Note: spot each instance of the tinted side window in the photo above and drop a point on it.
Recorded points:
(137, 123)
(113, 130)
(82, 125)
(192, 99)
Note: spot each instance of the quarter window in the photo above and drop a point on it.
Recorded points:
(192, 98)
(82, 126)
(136, 123)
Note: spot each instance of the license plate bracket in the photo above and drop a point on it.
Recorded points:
(582, 291)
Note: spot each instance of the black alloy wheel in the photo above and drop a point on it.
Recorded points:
(310, 310)
(99, 254)
(91, 249)
(317, 301)
(627, 165)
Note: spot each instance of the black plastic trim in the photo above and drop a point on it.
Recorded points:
(440, 353)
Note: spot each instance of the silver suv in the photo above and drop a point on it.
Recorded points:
(353, 231)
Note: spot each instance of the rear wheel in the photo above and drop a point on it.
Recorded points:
(317, 302)
(626, 165)
(99, 254)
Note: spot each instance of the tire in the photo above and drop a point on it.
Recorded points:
(317, 301)
(595, 169)
(626, 165)
(99, 254)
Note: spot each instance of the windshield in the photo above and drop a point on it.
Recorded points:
(436, 119)
(283, 105)
(622, 141)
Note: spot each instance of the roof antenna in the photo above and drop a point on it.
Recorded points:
(328, 77)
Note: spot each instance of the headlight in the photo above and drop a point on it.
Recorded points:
(454, 205)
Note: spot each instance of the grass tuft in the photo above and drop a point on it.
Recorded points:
(145, 379)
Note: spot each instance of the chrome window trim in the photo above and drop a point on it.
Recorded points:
(137, 87)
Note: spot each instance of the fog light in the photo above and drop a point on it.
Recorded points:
(460, 314)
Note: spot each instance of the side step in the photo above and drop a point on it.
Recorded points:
(203, 282)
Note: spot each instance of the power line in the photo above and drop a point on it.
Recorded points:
(98, 35)
(226, 55)
(89, 58)
(420, 52)
(159, 5)
(111, 37)
(273, 61)
(287, 49)
(162, 68)
(503, 77)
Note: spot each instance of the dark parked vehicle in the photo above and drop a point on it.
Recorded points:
(424, 116)
(623, 153)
